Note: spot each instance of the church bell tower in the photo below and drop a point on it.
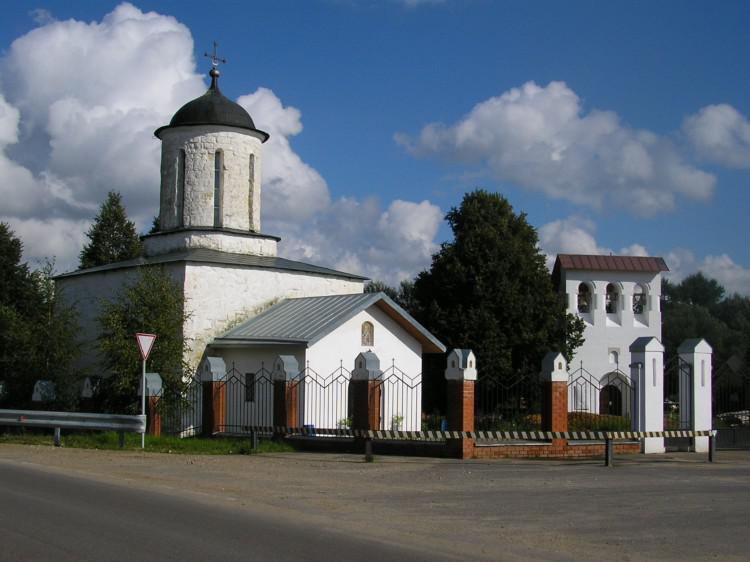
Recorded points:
(210, 194)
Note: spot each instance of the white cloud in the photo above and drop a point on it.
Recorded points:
(575, 235)
(292, 190)
(540, 139)
(732, 276)
(359, 236)
(78, 106)
(720, 134)
(58, 239)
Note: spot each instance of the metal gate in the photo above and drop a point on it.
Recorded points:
(678, 401)
(600, 403)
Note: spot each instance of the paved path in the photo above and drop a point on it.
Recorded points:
(670, 507)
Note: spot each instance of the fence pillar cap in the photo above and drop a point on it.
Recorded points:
(44, 391)
(153, 385)
(554, 367)
(646, 343)
(366, 367)
(694, 345)
(285, 368)
(461, 365)
(213, 369)
(89, 386)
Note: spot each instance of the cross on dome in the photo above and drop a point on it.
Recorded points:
(215, 61)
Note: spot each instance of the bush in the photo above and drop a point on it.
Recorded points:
(584, 421)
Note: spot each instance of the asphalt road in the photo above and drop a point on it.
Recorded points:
(74, 504)
(47, 516)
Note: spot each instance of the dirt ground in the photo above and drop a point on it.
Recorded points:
(646, 507)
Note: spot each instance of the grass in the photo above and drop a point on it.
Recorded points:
(175, 445)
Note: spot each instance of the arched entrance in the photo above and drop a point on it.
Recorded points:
(610, 401)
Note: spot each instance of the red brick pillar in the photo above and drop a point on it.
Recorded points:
(285, 403)
(154, 416)
(214, 407)
(461, 376)
(213, 371)
(554, 380)
(286, 406)
(366, 392)
(366, 397)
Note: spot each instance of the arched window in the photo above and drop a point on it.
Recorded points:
(217, 187)
(180, 191)
(614, 357)
(584, 298)
(251, 183)
(368, 334)
(612, 299)
(639, 299)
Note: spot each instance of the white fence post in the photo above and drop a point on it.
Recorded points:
(647, 370)
(697, 353)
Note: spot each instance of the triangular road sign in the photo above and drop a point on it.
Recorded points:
(145, 343)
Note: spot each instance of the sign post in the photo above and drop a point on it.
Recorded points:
(145, 345)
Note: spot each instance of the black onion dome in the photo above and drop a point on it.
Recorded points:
(213, 108)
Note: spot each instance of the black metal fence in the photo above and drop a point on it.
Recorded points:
(321, 401)
(606, 402)
(678, 394)
(182, 410)
(731, 404)
(731, 395)
(508, 403)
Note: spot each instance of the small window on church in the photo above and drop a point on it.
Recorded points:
(217, 187)
(639, 300)
(613, 298)
(368, 334)
(180, 192)
(249, 387)
(584, 298)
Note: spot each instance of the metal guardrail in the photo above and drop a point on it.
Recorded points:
(74, 420)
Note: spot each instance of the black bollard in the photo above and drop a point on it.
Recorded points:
(608, 452)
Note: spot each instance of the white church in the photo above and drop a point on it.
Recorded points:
(252, 310)
(247, 306)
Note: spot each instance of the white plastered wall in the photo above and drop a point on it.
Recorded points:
(400, 357)
(219, 297)
(604, 332)
(86, 293)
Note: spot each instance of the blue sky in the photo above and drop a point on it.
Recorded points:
(616, 127)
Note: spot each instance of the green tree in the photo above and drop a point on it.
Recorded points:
(696, 289)
(153, 303)
(112, 237)
(697, 307)
(55, 335)
(403, 296)
(37, 330)
(489, 290)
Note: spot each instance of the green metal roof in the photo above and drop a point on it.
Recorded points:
(200, 255)
(307, 320)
